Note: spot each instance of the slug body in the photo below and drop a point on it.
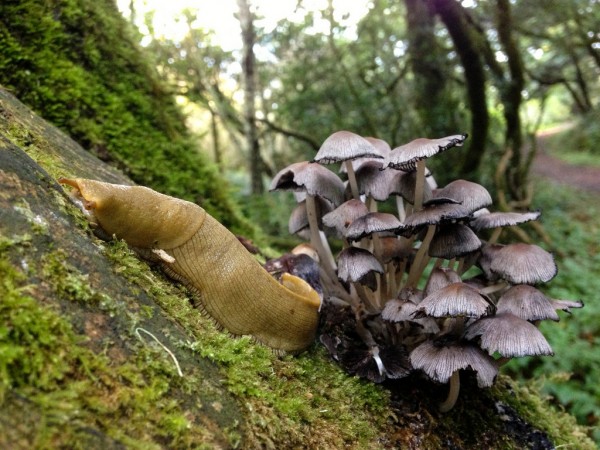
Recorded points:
(231, 286)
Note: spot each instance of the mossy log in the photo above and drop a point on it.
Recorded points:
(100, 350)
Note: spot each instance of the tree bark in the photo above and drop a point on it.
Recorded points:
(248, 69)
(456, 21)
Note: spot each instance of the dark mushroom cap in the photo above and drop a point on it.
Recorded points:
(393, 248)
(404, 184)
(439, 278)
(341, 217)
(406, 156)
(370, 223)
(453, 241)
(345, 146)
(502, 219)
(523, 264)
(456, 299)
(355, 263)
(526, 302)
(314, 179)
(440, 361)
(471, 195)
(509, 336)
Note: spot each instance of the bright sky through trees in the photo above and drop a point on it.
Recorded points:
(222, 20)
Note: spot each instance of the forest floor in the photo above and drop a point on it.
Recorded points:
(547, 166)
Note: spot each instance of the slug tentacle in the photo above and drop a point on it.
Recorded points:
(193, 247)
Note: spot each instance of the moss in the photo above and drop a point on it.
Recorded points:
(77, 64)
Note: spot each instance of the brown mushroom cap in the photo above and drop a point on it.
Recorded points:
(502, 219)
(370, 223)
(509, 336)
(440, 361)
(406, 156)
(314, 179)
(345, 146)
(456, 299)
(526, 302)
(355, 263)
(471, 195)
(523, 264)
(453, 241)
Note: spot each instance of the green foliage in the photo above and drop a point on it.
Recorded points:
(571, 219)
(579, 143)
(76, 63)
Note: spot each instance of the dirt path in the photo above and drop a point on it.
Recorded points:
(547, 166)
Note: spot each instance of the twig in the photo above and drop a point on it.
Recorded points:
(137, 331)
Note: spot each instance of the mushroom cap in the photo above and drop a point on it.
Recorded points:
(393, 248)
(440, 361)
(487, 254)
(355, 263)
(404, 184)
(298, 220)
(406, 156)
(436, 213)
(402, 310)
(314, 179)
(345, 146)
(502, 219)
(527, 302)
(452, 241)
(373, 222)
(523, 264)
(456, 299)
(341, 217)
(439, 278)
(509, 336)
(469, 194)
(566, 305)
(375, 182)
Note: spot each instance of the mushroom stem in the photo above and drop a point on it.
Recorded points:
(315, 238)
(352, 179)
(419, 185)
(493, 288)
(450, 401)
(415, 270)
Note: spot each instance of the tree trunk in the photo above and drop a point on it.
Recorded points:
(248, 68)
(455, 19)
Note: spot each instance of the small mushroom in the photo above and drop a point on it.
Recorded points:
(502, 219)
(528, 303)
(341, 217)
(523, 264)
(441, 361)
(454, 300)
(471, 195)
(439, 278)
(509, 336)
(453, 241)
(370, 223)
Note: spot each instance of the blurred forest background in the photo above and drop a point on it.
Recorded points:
(499, 70)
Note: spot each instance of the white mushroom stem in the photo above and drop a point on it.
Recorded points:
(315, 238)
(419, 185)
(352, 179)
(450, 401)
(400, 207)
(416, 270)
(493, 288)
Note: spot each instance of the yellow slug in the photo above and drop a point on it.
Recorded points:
(193, 247)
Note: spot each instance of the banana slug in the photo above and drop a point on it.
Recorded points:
(194, 248)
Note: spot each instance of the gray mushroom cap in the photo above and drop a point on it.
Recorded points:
(404, 184)
(509, 336)
(502, 219)
(312, 178)
(439, 361)
(454, 300)
(298, 220)
(436, 213)
(345, 146)
(341, 217)
(406, 156)
(487, 255)
(523, 264)
(370, 223)
(527, 302)
(439, 278)
(355, 263)
(471, 195)
(453, 241)
(375, 182)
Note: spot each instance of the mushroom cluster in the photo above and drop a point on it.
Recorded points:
(422, 290)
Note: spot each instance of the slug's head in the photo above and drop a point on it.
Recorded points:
(142, 217)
